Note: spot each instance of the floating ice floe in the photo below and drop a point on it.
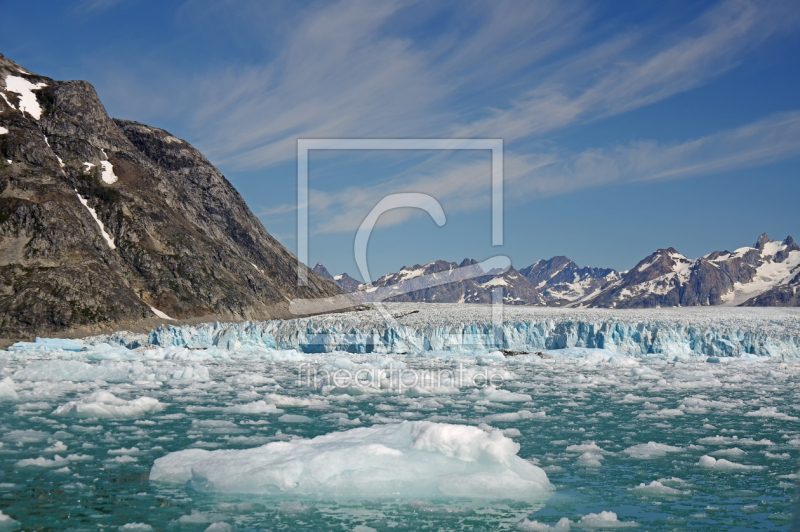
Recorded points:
(289, 401)
(7, 390)
(497, 395)
(7, 524)
(256, 407)
(650, 450)
(110, 371)
(295, 418)
(723, 465)
(136, 527)
(734, 440)
(734, 451)
(603, 520)
(104, 404)
(408, 459)
(771, 411)
(57, 461)
(563, 525)
(514, 416)
(657, 489)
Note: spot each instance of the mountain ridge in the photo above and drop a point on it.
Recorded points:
(767, 274)
(105, 221)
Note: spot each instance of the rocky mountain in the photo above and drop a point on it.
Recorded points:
(561, 282)
(104, 221)
(450, 282)
(344, 281)
(766, 274)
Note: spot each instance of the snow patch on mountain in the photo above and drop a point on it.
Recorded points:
(27, 99)
(768, 275)
(106, 236)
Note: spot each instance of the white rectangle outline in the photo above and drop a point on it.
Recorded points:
(304, 145)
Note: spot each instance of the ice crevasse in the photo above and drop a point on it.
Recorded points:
(408, 459)
(672, 332)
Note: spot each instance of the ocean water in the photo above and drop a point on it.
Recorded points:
(98, 438)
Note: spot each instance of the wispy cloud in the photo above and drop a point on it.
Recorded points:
(518, 71)
(341, 73)
(628, 72)
(537, 176)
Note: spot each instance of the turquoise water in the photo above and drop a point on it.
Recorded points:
(587, 412)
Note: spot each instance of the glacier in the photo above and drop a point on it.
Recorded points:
(697, 331)
(301, 436)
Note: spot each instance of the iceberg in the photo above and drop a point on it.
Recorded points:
(409, 459)
(7, 390)
(104, 404)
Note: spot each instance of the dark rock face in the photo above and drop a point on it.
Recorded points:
(322, 271)
(178, 237)
(786, 295)
(344, 281)
(347, 283)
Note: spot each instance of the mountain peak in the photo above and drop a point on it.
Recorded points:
(762, 241)
(321, 270)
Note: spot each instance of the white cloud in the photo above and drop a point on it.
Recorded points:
(537, 176)
(615, 76)
(510, 70)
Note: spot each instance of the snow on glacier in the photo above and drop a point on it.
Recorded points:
(719, 332)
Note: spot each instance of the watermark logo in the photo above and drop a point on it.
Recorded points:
(374, 295)
(400, 380)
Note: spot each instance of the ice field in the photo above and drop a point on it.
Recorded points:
(643, 420)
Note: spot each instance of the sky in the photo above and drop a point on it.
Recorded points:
(626, 126)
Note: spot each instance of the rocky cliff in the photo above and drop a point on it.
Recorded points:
(104, 221)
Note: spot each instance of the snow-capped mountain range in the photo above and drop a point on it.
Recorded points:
(767, 274)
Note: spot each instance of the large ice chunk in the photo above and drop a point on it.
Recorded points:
(7, 390)
(409, 459)
(105, 404)
(7, 524)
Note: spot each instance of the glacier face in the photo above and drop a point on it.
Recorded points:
(701, 331)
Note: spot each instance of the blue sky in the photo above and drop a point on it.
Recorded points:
(627, 126)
